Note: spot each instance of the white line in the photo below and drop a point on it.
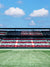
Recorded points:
(32, 42)
(16, 42)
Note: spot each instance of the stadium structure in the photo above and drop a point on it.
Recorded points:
(24, 37)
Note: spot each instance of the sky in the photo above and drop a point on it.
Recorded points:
(24, 13)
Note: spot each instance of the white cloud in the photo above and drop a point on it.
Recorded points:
(20, 2)
(1, 6)
(17, 12)
(32, 23)
(39, 13)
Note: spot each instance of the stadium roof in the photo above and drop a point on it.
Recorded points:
(24, 29)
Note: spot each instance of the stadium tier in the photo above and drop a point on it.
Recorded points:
(22, 37)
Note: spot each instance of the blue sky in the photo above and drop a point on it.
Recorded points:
(24, 13)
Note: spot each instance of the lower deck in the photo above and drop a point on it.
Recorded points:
(25, 42)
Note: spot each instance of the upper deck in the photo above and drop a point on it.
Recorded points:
(24, 31)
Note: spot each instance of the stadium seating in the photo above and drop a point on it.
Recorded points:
(24, 37)
(25, 42)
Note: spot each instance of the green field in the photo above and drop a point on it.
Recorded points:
(24, 58)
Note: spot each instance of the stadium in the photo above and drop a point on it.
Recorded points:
(24, 33)
(24, 47)
(24, 38)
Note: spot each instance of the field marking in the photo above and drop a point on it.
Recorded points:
(25, 49)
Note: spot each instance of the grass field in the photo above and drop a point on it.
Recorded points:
(24, 58)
